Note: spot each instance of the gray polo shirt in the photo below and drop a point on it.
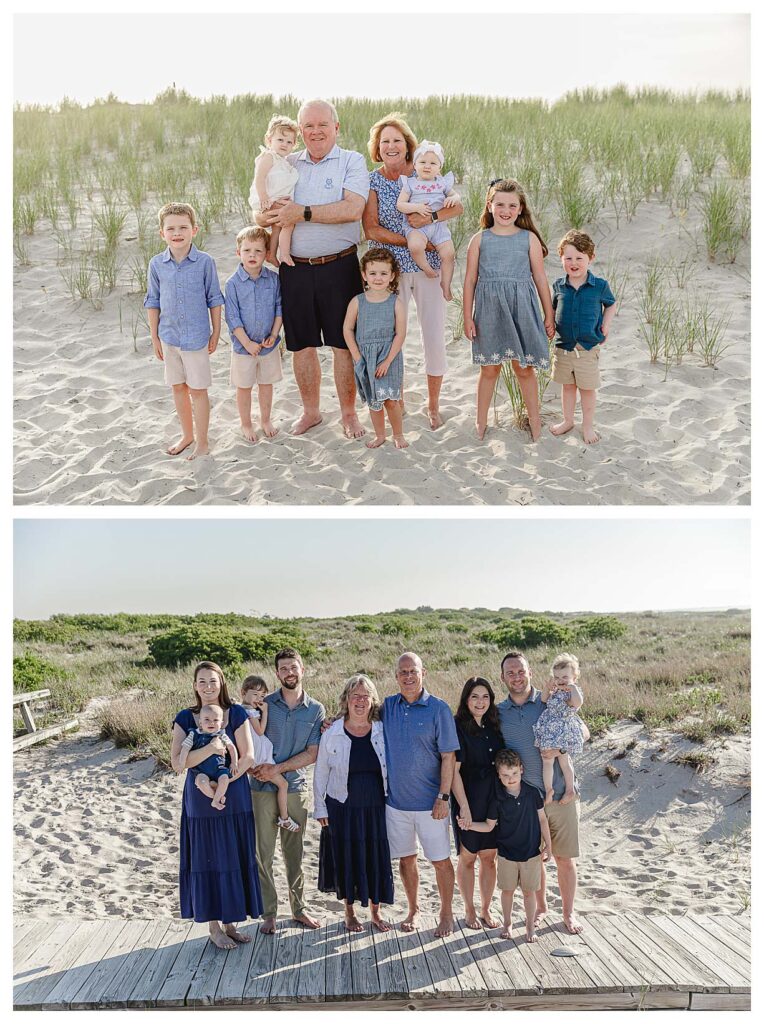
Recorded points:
(517, 721)
(291, 730)
(322, 182)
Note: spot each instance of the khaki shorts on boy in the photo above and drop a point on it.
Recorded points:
(563, 827)
(247, 370)
(580, 367)
(525, 873)
(184, 367)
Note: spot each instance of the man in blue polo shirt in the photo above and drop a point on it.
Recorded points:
(420, 744)
(517, 716)
(329, 200)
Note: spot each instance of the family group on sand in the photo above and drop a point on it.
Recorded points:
(308, 207)
(390, 776)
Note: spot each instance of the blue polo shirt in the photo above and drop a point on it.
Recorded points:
(416, 735)
(326, 181)
(517, 721)
(578, 311)
(252, 303)
(518, 832)
(291, 730)
(183, 293)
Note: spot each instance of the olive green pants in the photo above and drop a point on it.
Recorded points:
(266, 829)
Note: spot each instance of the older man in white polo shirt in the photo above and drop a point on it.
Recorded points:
(329, 199)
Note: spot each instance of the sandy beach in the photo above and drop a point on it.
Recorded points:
(96, 831)
(93, 416)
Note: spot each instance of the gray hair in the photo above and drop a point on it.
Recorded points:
(414, 657)
(317, 103)
(360, 679)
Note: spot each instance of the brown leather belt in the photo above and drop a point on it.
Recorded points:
(317, 261)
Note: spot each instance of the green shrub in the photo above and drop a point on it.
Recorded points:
(530, 631)
(224, 646)
(457, 627)
(33, 673)
(42, 631)
(599, 627)
(396, 625)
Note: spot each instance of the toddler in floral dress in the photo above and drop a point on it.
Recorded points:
(254, 690)
(275, 178)
(425, 193)
(559, 731)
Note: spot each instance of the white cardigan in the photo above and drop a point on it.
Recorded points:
(330, 776)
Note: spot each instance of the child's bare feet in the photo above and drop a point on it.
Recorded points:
(541, 911)
(506, 931)
(199, 450)
(436, 420)
(488, 920)
(563, 427)
(376, 442)
(534, 425)
(568, 797)
(530, 934)
(219, 801)
(400, 441)
(590, 435)
(268, 428)
(249, 433)
(180, 446)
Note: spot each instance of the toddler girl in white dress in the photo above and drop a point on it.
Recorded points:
(254, 690)
(275, 178)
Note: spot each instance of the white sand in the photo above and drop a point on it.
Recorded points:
(93, 416)
(96, 834)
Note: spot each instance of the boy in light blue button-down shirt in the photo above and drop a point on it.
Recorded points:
(253, 315)
(183, 295)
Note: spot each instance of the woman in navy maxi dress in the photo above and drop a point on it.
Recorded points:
(218, 867)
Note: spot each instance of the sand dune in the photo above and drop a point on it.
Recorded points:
(92, 416)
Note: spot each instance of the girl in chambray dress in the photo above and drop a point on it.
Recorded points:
(374, 331)
(503, 284)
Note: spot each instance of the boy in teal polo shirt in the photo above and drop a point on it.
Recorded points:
(584, 307)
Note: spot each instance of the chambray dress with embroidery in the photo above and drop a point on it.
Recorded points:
(559, 727)
(508, 319)
(374, 333)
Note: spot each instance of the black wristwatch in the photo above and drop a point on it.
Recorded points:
(307, 213)
(434, 215)
(444, 796)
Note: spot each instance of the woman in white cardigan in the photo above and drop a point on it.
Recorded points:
(349, 788)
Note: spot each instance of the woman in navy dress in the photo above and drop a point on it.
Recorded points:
(218, 867)
(349, 787)
(477, 725)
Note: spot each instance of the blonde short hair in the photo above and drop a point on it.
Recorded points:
(252, 233)
(359, 679)
(177, 210)
(394, 120)
(566, 661)
(211, 711)
(281, 121)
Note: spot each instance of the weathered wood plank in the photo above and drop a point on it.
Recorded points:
(486, 960)
(604, 977)
(40, 968)
(419, 981)
(390, 972)
(631, 947)
(463, 966)
(365, 976)
(30, 695)
(735, 972)
(728, 933)
(339, 977)
(178, 981)
(701, 976)
(719, 1001)
(27, 935)
(523, 979)
(118, 988)
(102, 937)
(235, 971)
(311, 984)
(286, 966)
(257, 982)
(570, 969)
(30, 738)
(206, 977)
(147, 987)
(90, 994)
(434, 952)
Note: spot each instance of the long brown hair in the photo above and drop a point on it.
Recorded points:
(524, 217)
(223, 700)
(464, 716)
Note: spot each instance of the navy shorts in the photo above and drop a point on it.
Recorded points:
(213, 767)
(315, 300)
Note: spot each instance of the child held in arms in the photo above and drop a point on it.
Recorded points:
(213, 774)
(275, 178)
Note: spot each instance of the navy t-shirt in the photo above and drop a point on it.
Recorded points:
(518, 833)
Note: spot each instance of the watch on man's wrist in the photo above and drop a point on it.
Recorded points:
(443, 796)
(307, 213)
(434, 215)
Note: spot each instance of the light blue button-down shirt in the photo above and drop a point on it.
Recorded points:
(324, 182)
(184, 293)
(416, 734)
(252, 303)
(517, 721)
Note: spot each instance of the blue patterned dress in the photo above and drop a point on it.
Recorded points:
(559, 727)
(507, 317)
(392, 219)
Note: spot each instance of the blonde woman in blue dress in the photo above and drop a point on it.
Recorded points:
(503, 283)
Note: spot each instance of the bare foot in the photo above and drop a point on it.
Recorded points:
(488, 920)
(198, 452)
(379, 923)
(352, 923)
(568, 797)
(352, 428)
(180, 446)
(237, 936)
(268, 428)
(531, 936)
(573, 925)
(472, 919)
(480, 430)
(220, 939)
(534, 425)
(409, 924)
(268, 926)
(590, 435)
(506, 931)
(445, 927)
(219, 802)
(307, 920)
(563, 427)
(400, 441)
(436, 420)
(249, 433)
(541, 911)
(304, 424)
(376, 442)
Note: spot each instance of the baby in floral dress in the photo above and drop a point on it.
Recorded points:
(426, 192)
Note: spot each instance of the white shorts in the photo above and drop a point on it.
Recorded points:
(187, 367)
(247, 370)
(405, 827)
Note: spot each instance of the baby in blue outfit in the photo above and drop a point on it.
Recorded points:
(213, 774)
(425, 193)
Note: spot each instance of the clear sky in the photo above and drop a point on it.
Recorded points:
(137, 55)
(324, 567)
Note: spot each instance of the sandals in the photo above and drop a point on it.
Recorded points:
(289, 824)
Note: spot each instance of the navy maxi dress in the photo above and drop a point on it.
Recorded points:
(218, 867)
(354, 858)
(476, 755)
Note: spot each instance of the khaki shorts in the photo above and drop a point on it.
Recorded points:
(525, 873)
(191, 368)
(247, 370)
(563, 827)
(580, 367)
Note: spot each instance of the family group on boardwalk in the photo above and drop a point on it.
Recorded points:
(390, 776)
(308, 208)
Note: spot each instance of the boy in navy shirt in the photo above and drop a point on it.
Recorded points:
(518, 810)
(584, 308)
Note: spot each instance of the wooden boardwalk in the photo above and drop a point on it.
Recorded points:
(623, 961)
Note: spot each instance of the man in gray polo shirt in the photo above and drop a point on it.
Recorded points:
(517, 716)
(294, 729)
(329, 200)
